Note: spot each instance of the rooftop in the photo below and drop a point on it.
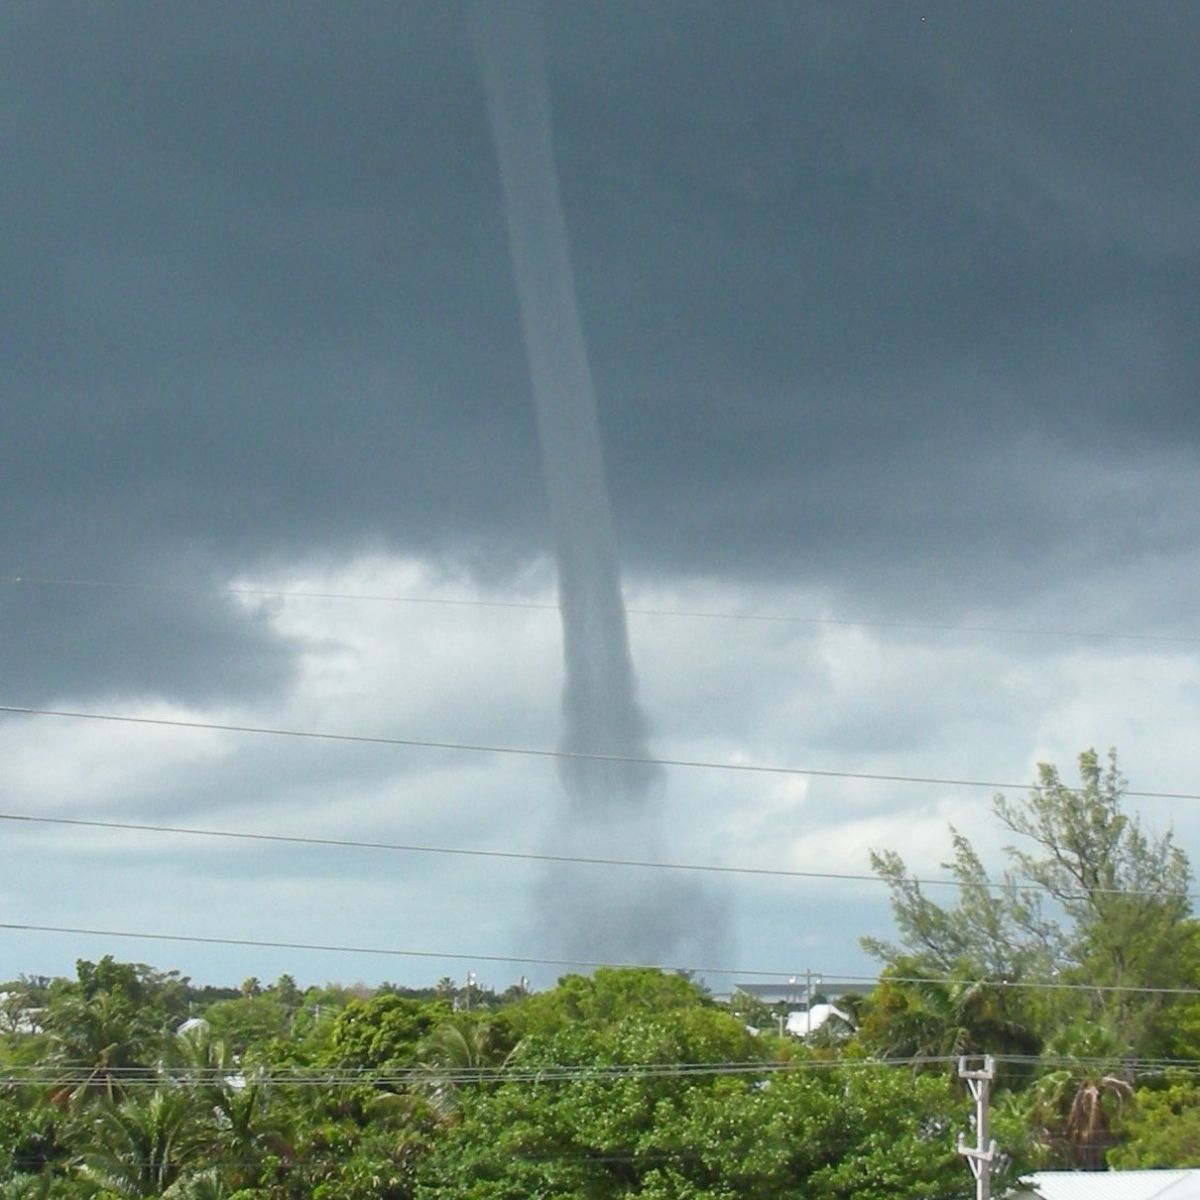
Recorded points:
(1111, 1185)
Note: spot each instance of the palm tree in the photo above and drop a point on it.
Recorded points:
(138, 1146)
(99, 1041)
(1074, 1105)
(28, 1187)
(945, 1017)
(240, 1126)
(207, 1185)
(462, 1043)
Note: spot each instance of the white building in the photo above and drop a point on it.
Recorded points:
(809, 1020)
(1109, 1185)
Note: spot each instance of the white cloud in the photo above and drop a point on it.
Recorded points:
(827, 697)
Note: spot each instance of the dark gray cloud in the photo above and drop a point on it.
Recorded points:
(61, 643)
(868, 293)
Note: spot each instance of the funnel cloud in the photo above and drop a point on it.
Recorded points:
(612, 806)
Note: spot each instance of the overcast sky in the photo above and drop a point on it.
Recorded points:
(892, 313)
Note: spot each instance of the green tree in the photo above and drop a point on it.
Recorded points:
(863, 1131)
(466, 1042)
(384, 1031)
(112, 1021)
(959, 1014)
(252, 1020)
(284, 990)
(241, 1126)
(1123, 892)
(603, 1056)
(1074, 1107)
(868, 1133)
(1178, 1026)
(100, 1041)
(35, 1136)
(1091, 899)
(139, 1146)
(609, 995)
(1162, 1126)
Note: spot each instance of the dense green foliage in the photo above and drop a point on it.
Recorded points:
(1076, 963)
(128, 1082)
(628, 1083)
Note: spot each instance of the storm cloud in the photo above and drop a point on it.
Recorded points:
(891, 311)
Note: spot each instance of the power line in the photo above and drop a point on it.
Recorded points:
(532, 752)
(412, 848)
(259, 943)
(423, 1073)
(830, 980)
(1047, 985)
(426, 1073)
(429, 1073)
(573, 859)
(518, 960)
(703, 614)
(75, 1077)
(1085, 1062)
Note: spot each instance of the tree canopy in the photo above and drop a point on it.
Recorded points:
(1077, 966)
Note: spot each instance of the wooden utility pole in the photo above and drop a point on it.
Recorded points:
(979, 1157)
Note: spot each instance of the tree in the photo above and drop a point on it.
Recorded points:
(1124, 892)
(867, 1132)
(1093, 900)
(607, 996)
(384, 1031)
(99, 1041)
(21, 1003)
(284, 990)
(1163, 1126)
(240, 1127)
(34, 1136)
(910, 1017)
(602, 1058)
(251, 1020)
(139, 1146)
(112, 1020)
(1072, 1108)
(463, 1043)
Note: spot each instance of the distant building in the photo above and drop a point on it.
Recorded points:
(797, 1012)
(809, 1020)
(792, 991)
(15, 1017)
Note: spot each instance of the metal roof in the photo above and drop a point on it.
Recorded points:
(795, 988)
(1112, 1185)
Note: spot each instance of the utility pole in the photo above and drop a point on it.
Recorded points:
(809, 982)
(979, 1157)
